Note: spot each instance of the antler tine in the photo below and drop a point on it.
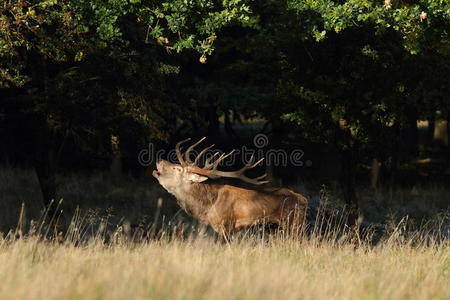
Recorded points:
(258, 180)
(188, 151)
(249, 164)
(178, 152)
(255, 181)
(216, 163)
(197, 159)
(208, 163)
(255, 164)
(261, 177)
(221, 158)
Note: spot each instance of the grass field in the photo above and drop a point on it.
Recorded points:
(200, 268)
(98, 258)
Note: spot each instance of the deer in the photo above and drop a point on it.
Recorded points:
(227, 208)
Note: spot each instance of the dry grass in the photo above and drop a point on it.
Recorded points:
(200, 268)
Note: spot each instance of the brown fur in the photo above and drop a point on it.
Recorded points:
(228, 208)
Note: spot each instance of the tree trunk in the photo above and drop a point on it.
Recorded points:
(213, 121)
(45, 164)
(116, 163)
(374, 173)
(410, 133)
(394, 160)
(448, 131)
(274, 142)
(430, 130)
(45, 160)
(46, 172)
(229, 126)
(348, 173)
(348, 181)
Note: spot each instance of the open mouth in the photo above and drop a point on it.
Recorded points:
(156, 173)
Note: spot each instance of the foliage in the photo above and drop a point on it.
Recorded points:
(421, 24)
(48, 28)
(346, 61)
(64, 31)
(138, 69)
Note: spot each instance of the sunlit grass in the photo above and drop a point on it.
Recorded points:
(198, 267)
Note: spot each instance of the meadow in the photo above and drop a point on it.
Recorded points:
(101, 256)
(197, 267)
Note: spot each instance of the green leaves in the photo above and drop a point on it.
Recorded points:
(48, 3)
(66, 30)
(192, 24)
(420, 23)
(47, 28)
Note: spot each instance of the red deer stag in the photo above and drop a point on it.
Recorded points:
(227, 208)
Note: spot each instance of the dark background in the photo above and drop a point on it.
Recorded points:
(368, 107)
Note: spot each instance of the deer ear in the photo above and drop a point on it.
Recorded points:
(196, 178)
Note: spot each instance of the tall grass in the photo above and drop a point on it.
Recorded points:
(193, 265)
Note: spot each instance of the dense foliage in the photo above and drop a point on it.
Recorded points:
(348, 75)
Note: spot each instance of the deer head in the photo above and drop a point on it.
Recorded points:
(175, 176)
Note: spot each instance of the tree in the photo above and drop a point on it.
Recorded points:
(354, 86)
(79, 67)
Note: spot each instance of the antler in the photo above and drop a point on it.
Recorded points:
(178, 152)
(210, 168)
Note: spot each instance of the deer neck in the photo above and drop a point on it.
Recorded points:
(196, 199)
